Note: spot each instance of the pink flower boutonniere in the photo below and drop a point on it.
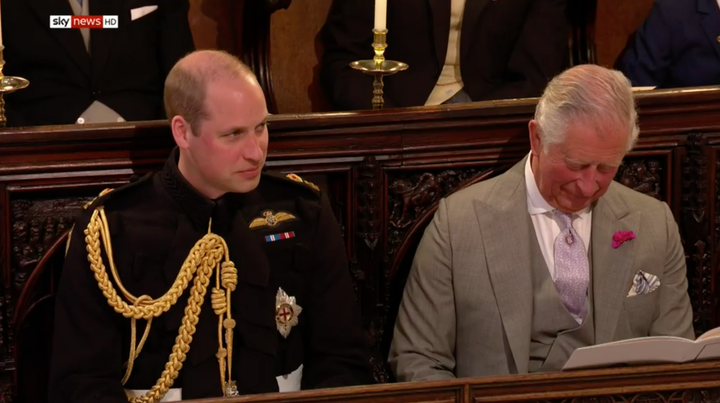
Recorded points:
(620, 237)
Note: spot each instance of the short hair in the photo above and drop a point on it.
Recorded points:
(591, 94)
(186, 83)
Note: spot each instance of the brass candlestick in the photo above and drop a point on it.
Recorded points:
(379, 67)
(8, 84)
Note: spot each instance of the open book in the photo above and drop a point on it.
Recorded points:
(647, 350)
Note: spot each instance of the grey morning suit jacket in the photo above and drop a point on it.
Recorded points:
(468, 306)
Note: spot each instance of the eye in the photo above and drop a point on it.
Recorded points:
(574, 166)
(232, 136)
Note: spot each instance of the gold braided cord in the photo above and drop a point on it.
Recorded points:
(204, 258)
(145, 309)
(135, 351)
(228, 273)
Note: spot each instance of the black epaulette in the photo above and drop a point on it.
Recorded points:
(294, 180)
(108, 193)
(102, 198)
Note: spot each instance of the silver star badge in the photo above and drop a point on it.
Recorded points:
(286, 312)
(231, 389)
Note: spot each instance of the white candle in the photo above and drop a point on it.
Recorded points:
(380, 14)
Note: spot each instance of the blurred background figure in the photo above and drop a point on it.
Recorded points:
(678, 45)
(458, 50)
(92, 76)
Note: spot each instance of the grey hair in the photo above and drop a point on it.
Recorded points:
(590, 94)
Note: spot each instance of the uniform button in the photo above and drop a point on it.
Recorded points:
(80, 121)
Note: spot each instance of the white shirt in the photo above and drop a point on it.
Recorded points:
(450, 82)
(546, 227)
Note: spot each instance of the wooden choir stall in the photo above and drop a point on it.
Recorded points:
(384, 172)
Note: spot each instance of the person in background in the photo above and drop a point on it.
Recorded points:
(92, 75)
(678, 45)
(458, 50)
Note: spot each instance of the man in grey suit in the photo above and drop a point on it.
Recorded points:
(515, 273)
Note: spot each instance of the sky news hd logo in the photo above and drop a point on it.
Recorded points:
(83, 21)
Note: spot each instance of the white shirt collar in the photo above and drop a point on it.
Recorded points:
(535, 201)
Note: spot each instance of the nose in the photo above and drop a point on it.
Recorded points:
(253, 150)
(588, 183)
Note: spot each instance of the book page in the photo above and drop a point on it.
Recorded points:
(709, 334)
(710, 350)
(639, 351)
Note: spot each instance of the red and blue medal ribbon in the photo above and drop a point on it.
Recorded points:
(277, 237)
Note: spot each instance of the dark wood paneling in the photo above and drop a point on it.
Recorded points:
(385, 172)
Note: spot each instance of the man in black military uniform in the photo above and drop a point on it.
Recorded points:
(259, 255)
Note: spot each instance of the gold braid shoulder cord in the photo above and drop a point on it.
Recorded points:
(204, 258)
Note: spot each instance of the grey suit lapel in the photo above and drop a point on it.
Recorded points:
(505, 227)
(612, 268)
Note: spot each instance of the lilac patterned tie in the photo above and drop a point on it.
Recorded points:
(572, 268)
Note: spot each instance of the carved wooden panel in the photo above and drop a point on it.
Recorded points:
(696, 230)
(645, 175)
(681, 396)
(412, 195)
(366, 257)
(36, 224)
(6, 368)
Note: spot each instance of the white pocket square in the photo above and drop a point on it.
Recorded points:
(643, 283)
(290, 382)
(136, 13)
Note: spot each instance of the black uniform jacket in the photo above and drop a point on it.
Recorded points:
(154, 223)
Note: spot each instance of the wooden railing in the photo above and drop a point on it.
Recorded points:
(697, 383)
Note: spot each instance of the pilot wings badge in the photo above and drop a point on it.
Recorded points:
(286, 312)
(270, 219)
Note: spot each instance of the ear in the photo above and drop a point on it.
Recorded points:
(535, 139)
(181, 131)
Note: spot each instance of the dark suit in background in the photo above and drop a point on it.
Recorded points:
(508, 49)
(125, 68)
(678, 45)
